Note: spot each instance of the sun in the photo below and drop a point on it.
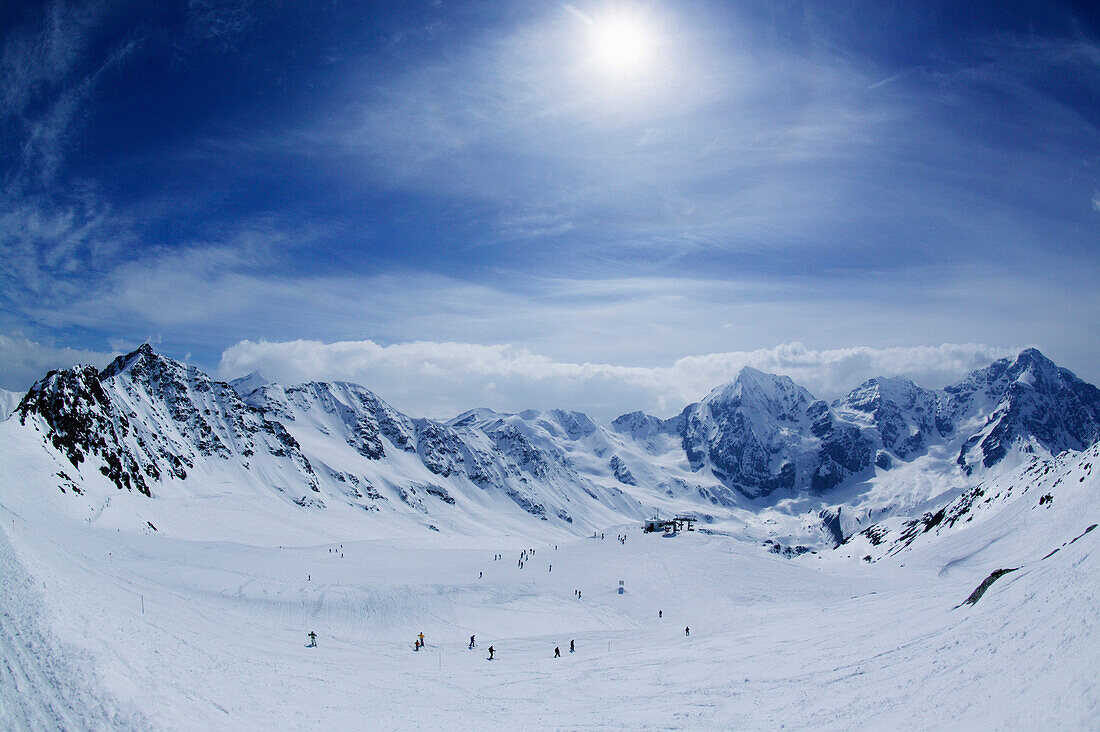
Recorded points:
(621, 43)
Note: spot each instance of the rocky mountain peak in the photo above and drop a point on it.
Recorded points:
(757, 392)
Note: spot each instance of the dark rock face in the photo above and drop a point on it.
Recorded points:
(440, 449)
(621, 472)
(1035, 399)
(844, 449)
(146, 417)
(904, 413)
(1020, 400)
(81, 421)
(764, 433)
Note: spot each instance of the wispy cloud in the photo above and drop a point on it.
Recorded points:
(44, 86)
(220, 22)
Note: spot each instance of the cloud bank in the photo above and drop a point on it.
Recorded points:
(23, 361)
(439, 379)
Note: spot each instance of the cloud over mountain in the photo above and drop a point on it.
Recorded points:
(440, 378)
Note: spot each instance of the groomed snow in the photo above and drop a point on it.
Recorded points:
(139, 627)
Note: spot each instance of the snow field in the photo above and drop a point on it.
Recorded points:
(815, 642)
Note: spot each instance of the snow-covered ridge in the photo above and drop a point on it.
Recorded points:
(157, 427)
(152, 425)
(1021, 501)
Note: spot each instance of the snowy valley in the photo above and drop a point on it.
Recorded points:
(170, 539)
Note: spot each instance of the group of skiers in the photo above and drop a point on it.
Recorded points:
(557, 650)
(524, 556)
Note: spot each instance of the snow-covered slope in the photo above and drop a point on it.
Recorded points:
(1030, 508)
(360, 441)
(9, 400)
(111, 626)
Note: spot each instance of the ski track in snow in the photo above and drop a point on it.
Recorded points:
(44, 686)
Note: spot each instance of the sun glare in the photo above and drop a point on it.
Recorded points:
(622, 44)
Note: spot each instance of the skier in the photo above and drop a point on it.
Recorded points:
(479, 575)
(421, 639)
(557, 652)
(416, 644)
(312, 639)
(660, 614)
(687, 631)
(551, 568)
(490, 653)
(571, 648)
(472, 644)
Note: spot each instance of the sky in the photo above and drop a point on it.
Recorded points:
(602, 206)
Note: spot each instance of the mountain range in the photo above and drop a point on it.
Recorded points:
(758, 446)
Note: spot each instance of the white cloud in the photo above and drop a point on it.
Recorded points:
(440, 379)
(23, 361)
(1096, 201)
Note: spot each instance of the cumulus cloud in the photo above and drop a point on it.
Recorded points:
(23, 361)
(441, 379)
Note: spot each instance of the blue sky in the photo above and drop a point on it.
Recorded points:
(461, 203)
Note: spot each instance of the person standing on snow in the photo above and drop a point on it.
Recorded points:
(312, 639)
(571, 648)
(687, 631)
(491, 653)
(471, 641)
(557, 652)
(421, 636)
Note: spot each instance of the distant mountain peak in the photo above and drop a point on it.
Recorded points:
(249, 383)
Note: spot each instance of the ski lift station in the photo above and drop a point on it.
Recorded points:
(672, 525)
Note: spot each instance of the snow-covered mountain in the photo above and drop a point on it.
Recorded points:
(1013, 406)
(152, 425)
(1037, 405)
(145, 419)
(763, 433)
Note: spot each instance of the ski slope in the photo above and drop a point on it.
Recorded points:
(107, 625)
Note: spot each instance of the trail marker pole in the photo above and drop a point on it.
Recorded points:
(143, 604)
